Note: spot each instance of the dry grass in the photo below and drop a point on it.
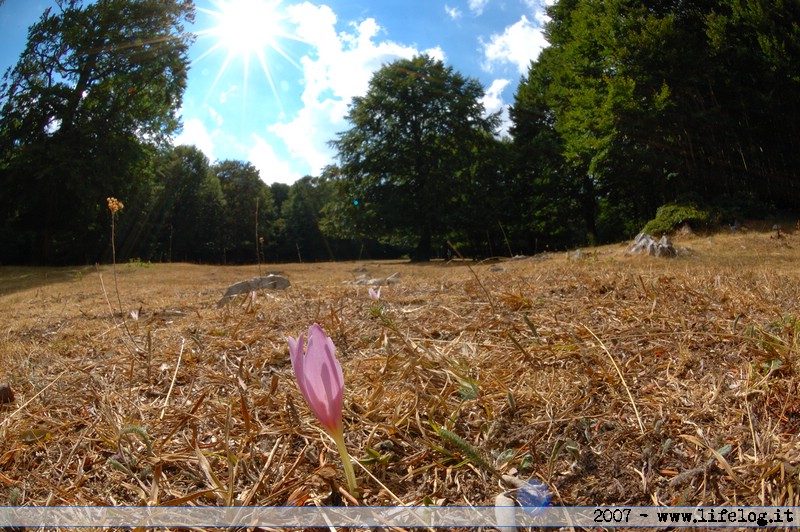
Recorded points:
(612, 379)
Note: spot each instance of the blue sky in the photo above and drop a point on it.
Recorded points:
(275, 90)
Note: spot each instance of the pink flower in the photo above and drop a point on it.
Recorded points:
(375, 295)
(319, 377)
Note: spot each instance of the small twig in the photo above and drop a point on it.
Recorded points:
(26, 403)
(253, 490)
(621, 377)
(646, 291)
(718, 456)
(174, 376)
(488, 296)
(532, 327)
(505, 237)
(518, 345)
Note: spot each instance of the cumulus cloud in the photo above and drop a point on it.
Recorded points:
(519, 44)
(339, 68)
(476, 6)
(270, 167)
(452, 12)
(493, 101)
(538, 7)
(195, 133)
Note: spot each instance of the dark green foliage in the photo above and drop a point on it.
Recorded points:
(302, 234)
(408, 154)
(93, 83)
(188, 209)
(673, 216)
(639, 112)
(642, 103)
(250, 216)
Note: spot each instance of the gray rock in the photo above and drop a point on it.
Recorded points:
(364, 280)
(272, 282)
(645, 244)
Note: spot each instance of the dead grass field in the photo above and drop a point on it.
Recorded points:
(612, 379)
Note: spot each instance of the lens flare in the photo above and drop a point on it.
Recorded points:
(244, 30)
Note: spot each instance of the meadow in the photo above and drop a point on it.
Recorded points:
(612, 379)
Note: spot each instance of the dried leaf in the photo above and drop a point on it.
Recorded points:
(34, 435)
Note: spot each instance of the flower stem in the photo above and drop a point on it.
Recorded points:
(346, 463)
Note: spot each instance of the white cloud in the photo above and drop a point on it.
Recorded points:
(493, 101)
(452, 12)
(519, 44)
(195, 134)
(340, 68)
(233, 91)
(215, 116)
(538, 7)
(436, 53)
(270, 167)
(476, 6)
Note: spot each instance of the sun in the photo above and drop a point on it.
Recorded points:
(246, 27)
(246, 30)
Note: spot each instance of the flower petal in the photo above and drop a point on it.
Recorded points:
(319, 377)
(324, 381)
(297, 356)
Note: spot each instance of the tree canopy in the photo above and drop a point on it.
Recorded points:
(687, 108)
(97, 87)
(658, 102)
(412, 140)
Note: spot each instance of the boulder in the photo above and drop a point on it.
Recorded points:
(645, 244)
(365, 279)
(271, 281)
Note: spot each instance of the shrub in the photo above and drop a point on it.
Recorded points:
(672, 216)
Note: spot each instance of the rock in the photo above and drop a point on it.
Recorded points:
(645, 244)
(272, 282)
(575, 255)
(377, 281)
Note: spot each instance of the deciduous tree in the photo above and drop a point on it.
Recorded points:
(410, 144)
(250, 212)
(97, 84)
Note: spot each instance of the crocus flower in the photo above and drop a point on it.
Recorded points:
(320, 379)
(375, 295)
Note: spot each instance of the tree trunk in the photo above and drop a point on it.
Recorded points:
(423, 251)
(589, 208)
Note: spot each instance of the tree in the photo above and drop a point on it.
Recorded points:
(301, 214)
(409, 147)
(96, 87)
(188, 210)
(250, 212)
(654, 102)
(545, 189)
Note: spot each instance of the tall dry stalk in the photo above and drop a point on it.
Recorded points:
(115, 205)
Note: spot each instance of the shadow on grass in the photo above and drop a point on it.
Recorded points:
(19, 278)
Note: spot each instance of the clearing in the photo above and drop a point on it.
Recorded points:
(612, 379)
